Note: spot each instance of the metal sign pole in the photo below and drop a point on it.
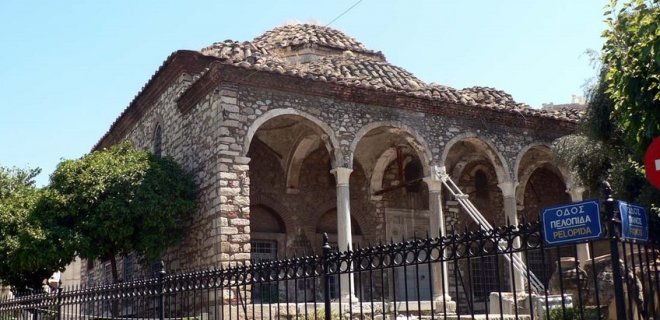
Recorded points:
(608, 203)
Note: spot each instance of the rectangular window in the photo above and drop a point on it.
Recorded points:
(128, 268)
(264, 291)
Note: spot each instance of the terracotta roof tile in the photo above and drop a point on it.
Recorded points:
(297, 35)
(359, 67)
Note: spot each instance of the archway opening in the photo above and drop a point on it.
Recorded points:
(395, 162)
(544, 188)
(477, 170)
(291, 158)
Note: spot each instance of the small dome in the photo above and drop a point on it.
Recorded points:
(295, 36)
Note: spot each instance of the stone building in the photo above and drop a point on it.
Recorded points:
(304, 130)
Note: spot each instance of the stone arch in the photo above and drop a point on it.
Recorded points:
(495, 157)
(523, 171)
(157, 120)
(376, 181)
(323, 220)
(541, 183)
(461, 165)
(158, 124)
(522, 153)
(270, 221)
(323, 208)
(379, 169)
(273, 204)
(303, 148)
(415, 139)
(328, 135)
(491, 204)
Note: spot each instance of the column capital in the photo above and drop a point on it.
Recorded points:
(576, 192)
(342, 175)
(435, 185)
(508, 188)
(439, 172)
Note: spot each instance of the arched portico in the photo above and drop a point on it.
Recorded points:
(292, 154)
(485, 146)
(482, 173)
(536, 167)
(405, 197)
(411, 137)
(322, 129)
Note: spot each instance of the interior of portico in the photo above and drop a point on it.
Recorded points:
(299, 190)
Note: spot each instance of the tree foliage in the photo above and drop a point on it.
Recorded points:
(120, 200)
(623, 113)
(631, 56)
(30, 251)
(601, 152)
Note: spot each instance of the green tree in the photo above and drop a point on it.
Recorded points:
(29, 251)
(119, 200)
(631, 56)
(600, 151)
(623, 114)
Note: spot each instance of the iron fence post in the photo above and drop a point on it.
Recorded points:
(326, 276)
(59, 301)
(609, 202)
(161, 291)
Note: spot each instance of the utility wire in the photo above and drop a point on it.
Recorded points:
(329, 23)
(343, 13)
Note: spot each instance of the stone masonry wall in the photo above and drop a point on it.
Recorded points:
(189, 139)
(345, 121)
(210, 142)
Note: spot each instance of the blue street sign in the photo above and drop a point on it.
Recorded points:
(634, 223)
(571, 223)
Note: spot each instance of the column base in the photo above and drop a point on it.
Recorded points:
(443, 303)
(349, 298)
(508, 304)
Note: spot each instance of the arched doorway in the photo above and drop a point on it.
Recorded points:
(291, 158)
(545, 188)
(478, 169)
(395, 160)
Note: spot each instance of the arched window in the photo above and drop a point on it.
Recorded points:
(481, 184)
(158, 140)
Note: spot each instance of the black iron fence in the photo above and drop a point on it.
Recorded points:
(424, 278)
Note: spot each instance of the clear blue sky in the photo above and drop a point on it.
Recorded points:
(68, 68)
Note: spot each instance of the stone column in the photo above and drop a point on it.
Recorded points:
(344, 236)
(511, 214)
(437, 229)
(576, 193)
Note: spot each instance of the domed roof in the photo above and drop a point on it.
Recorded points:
(352, 69)
(343, 60)
(330, 56)
(294, 36)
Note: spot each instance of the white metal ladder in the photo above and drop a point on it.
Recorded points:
(518, 264)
